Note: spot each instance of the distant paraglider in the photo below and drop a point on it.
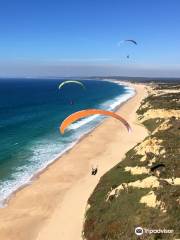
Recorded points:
(61, 85)
(71, 81)
(85, 113)
(94, 171)
(130, 40)
(157, 166)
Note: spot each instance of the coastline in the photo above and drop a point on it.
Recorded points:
(111, 105)
(61, 181)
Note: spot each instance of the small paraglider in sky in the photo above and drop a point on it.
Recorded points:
(88, 112)
(130, 40)
(127, 40)
(61, 85)
(71, 82)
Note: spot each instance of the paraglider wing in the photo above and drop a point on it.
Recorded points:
(85, 113)
(71, 81)
(130, 40)
(157, 166)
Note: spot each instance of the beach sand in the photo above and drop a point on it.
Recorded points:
(53, 206)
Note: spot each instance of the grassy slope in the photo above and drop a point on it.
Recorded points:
(117, 218)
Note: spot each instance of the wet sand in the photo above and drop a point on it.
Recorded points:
(53, 206)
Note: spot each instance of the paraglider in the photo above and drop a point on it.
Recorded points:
(130, 40)
(94, 171)
(127, 40)
(85, 113)
(71, 81)
(61, 85)
(160, 165)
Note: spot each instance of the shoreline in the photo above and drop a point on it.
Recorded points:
(35, 176)
(37, 197)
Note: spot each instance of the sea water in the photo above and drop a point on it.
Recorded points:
(31, 111)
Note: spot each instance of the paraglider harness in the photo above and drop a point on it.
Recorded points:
(94, 171)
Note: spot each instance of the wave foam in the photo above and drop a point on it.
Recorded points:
(108, 105)
(43, 150)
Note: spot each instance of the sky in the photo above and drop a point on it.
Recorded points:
(80, 38)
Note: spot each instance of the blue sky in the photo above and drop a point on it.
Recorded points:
(79, 37)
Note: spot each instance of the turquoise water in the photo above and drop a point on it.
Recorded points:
(31, 111)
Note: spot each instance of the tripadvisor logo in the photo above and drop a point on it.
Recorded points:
(139, 231)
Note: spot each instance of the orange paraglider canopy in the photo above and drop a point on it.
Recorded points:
(87, 112)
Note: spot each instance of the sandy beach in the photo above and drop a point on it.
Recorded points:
(53, 206)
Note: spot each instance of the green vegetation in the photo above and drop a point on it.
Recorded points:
(116, 217)
(153, 123)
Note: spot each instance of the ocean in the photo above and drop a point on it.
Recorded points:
(31, 111)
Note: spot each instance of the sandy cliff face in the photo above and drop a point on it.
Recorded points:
(143, 189)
